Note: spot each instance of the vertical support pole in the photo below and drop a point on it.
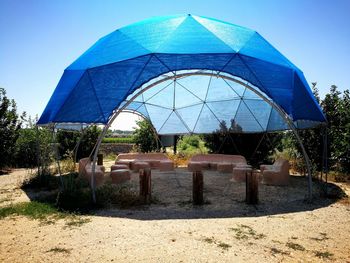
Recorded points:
(252, 187)
(100, 159)
(197, 188)
(38, 153)
(175, 143)
(145, 185)
(325, 158)
(99, 140)
(308, 165)
(57, 155)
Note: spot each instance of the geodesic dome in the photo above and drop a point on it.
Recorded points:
(101, 81)
(205, 102)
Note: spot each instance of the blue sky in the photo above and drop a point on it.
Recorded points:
(40, 38)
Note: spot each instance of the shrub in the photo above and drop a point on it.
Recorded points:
(120, 195)
(43, 181)
(75, 194)
(189, 145)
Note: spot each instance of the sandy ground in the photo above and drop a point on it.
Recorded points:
(282, 228)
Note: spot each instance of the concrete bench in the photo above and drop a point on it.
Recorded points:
(155, 160)
(85, 171)
(220, 162)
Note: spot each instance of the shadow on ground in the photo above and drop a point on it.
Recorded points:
(223, 199)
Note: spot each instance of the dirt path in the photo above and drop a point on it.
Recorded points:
(181, 233)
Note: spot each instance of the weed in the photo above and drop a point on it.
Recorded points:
(59, 250)
(278, 251)
(209, 240)
(244, 232)
(295, 246)
(224, 245)
(76, 221)
(276, 241)
(322, 238)
(323, 255)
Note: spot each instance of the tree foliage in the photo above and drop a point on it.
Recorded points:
(67, 140)
(189, 145)
(336, 106)
(33, 146)
(255, 147)
(10, 123)
(144, 137)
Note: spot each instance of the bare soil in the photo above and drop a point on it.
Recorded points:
(283, 227)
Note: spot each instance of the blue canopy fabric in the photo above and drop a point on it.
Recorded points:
(119, 64)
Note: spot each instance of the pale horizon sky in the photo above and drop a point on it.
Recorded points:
(40, 38)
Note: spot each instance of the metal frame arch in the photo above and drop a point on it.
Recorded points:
(282, 113)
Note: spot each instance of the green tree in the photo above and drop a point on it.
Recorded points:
(337, 110)
(33, 146)
(144, 137)
(255, 147)
(67, 141)
(10, 124)
(344, 147)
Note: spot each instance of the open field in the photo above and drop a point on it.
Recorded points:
(282, 228)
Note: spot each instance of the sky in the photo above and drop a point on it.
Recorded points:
(40, 38)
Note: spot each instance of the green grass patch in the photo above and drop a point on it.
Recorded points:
(244, 232)
(33, 210)
(46, 213)
(118, 140)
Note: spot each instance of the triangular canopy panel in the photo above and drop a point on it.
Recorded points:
(119, 65)
(175, 109)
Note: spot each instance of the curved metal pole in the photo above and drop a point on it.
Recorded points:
(284, 115)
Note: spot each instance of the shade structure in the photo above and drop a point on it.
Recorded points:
(120, 64)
